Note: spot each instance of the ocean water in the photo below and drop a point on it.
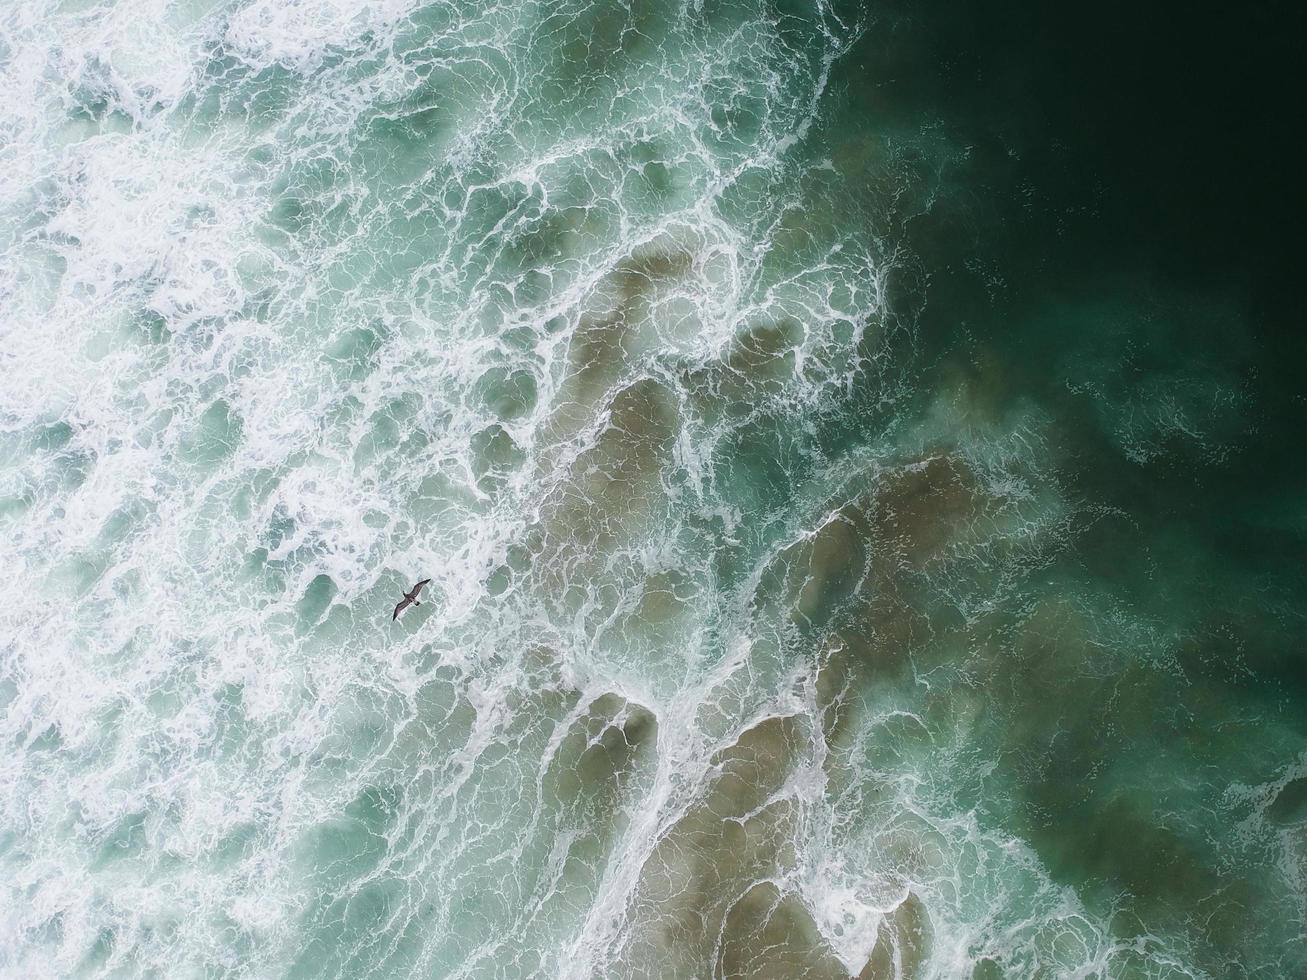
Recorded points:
(855, 449)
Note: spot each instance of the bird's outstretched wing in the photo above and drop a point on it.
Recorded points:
(400, 608)
(418, 588)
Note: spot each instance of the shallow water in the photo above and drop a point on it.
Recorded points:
(861, 499)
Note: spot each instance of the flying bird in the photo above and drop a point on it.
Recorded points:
(411, 596)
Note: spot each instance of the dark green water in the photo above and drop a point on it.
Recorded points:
(1115, 252)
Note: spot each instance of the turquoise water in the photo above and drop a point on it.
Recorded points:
(861, 497)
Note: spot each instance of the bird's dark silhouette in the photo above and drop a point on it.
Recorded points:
(411, 596)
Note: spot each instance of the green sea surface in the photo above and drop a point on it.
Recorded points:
(856, 449)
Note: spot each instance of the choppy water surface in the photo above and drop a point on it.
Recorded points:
(822, 585)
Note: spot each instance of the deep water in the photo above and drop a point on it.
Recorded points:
(856, 450)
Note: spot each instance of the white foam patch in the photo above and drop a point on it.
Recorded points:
(296, 32)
